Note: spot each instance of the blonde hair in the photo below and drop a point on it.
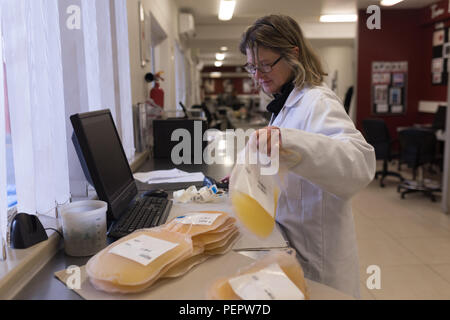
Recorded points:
(281, 34)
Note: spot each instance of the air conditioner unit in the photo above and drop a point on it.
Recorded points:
(186, 24)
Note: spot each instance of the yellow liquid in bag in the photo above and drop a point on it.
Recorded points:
(222, 290)
(252, 215)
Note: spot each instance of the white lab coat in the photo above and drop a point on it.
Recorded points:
(315, 212)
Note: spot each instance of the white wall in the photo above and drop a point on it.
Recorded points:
(166, 14)
(138, 84)
(341, 59)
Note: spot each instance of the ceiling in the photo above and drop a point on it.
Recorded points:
(211, 33)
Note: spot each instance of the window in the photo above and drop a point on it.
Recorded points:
(180, 79)
(57, 66)
(4, 137)
(10, 180)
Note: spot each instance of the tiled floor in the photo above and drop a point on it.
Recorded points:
(408, 239)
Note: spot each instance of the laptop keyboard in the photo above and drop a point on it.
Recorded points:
(147, 212)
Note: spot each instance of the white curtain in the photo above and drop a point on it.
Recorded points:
(180, 79)
(56, 68)
(123, 77)
(3, 203)
(96, 69)
(106, 51)
(35, 91)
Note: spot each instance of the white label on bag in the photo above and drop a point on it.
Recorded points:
(205, 219)
(260, 188)
(143, 249)
(270, 283)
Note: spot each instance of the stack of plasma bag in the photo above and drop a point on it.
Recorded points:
(133, 263)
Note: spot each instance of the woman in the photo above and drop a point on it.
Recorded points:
(315, 211)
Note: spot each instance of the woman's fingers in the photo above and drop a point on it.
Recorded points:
(266, 137)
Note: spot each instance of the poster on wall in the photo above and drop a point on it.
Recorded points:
(209, 85)
(381, 94)
(228, 86)
(395, 96)
(389, 84)
(440, 55)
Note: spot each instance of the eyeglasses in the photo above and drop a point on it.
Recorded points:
(265, 68)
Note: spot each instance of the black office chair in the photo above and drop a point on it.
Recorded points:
(348, 99)
(439, 123)
(440, 118)
(417, 148)
(377, 134)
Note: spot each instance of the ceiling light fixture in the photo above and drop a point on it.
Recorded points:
(389, 3)
(218, 63)
(338, 18)
(223, 48)
(215, 74)
(142, 13)
(226, 9)
(220, 56)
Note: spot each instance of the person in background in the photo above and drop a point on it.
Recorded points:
(314, 213)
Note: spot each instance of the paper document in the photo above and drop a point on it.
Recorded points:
(168, 176)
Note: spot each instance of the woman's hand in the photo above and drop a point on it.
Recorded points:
(267, 133)
(226, 179)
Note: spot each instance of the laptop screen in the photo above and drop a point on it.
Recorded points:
(105, 159)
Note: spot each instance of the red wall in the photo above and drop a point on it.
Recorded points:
(403, 37)
(399, 39)
(429, 92)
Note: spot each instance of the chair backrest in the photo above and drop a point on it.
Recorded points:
(203, 107)
(348, 99)
(377, 134)
(440, 118)
(417, 146)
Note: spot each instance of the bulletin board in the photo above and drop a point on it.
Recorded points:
(440, 57)
(389, 87)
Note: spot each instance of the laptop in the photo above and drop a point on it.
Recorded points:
(106, 167)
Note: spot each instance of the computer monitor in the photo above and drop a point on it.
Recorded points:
(163, 131)
(105, 158)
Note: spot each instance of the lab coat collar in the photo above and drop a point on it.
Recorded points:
(295, 95)
(291, 101)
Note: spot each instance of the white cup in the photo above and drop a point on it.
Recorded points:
(84, 227)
